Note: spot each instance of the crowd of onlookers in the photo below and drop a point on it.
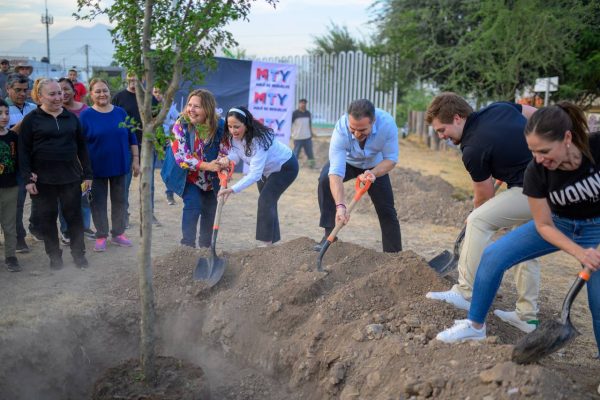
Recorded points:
(69, 147)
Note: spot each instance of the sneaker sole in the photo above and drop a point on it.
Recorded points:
(121, 245)
(461, 340)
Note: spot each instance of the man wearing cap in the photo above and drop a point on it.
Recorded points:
(80, 90)
(4, 67)
(23, 68)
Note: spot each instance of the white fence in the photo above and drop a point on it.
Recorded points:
(330, 82)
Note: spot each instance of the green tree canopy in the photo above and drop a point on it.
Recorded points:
(486, 48)
(337, 39)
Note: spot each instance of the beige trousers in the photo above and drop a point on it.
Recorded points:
(507, 209)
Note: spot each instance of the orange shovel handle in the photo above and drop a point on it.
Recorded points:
(225, 176)
(361, 188)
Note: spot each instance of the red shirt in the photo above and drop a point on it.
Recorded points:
(80, 91)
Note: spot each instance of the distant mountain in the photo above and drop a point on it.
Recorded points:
(67, 47)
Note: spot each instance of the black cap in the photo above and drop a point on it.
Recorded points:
(4, 61)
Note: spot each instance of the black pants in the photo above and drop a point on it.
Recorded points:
(69, 195)
(271, 189)
(382, 197)
(118, 205)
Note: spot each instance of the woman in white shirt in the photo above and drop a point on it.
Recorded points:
(271, 165)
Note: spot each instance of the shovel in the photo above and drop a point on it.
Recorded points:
(360, 190)
(210, 270)
(446, 262)
(551, 335)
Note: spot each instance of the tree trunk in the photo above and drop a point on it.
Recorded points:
(144, 258)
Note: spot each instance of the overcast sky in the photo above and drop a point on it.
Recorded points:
(287, 30)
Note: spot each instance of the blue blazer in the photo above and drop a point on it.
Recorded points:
(175, 177)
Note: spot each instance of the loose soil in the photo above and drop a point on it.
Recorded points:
(274, 327)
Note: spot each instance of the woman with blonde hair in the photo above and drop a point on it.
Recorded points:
(190, 166)
(53, 159)
(109, 143)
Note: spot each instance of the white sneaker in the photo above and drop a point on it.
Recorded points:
(511, 318)
(462, 330)
(450, 297)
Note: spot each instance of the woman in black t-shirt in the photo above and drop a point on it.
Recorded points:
(563, 186)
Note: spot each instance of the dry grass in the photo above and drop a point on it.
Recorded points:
(447, 164)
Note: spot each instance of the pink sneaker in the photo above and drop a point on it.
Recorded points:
(100, 245)
(121, 240)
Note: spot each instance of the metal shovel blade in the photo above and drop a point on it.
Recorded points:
(321, 254)
(444, 262)
(210, 270)
(546, 339)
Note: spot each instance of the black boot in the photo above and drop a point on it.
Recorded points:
(56, 261)
(81, 261)
(12, 264)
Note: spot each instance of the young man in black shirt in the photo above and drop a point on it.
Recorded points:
(9, 189)
(493, 147)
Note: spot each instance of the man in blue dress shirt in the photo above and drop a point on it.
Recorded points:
(364, 144)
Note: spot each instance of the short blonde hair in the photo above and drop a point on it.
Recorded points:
(36, 91)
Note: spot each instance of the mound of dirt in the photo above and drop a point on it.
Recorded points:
(362, 330)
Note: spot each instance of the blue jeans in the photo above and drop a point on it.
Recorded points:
(271, 189)
(197, 204)
(525, 243)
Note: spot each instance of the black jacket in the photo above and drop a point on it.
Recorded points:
(53, 148)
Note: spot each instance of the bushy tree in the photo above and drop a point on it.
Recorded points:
(337, 39)
(488, 48)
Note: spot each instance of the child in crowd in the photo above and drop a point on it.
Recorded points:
(8, 189)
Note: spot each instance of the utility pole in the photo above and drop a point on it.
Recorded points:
(86, 49)
(47, 20)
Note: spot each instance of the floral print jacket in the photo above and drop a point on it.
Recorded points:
(191, 149)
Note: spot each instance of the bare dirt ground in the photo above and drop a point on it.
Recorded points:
(274, 328)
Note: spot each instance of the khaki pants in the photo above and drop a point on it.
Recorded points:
(8, 219)
(507, 209)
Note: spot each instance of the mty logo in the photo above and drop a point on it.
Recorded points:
(272, 98)
(273, 75)
(275, 124)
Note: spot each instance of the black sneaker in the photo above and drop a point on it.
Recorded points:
(319, 246)
(22, 246)
(90, 234)
(170, 199)
(12, 264)
(56, 261)
(81, 261)
(64, 238)
(155, 222)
